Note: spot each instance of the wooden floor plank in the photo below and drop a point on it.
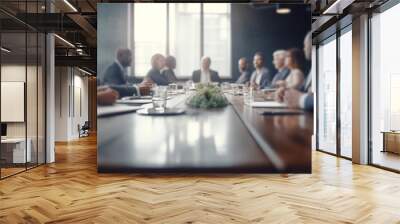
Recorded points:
(71, 191)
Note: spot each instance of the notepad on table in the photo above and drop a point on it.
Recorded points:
(115, 109)
(270, 104)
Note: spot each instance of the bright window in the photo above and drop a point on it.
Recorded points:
(185, 37)
(327, 96)
(179, 24)
(385, 83)
(149, 35)
(217, 39)
(346, 94)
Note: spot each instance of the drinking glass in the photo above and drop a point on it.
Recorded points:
(247, 95)
(173, 88)
(240, 88)
(160, 98)
(235, 88)
(225, 86)
(188, 86)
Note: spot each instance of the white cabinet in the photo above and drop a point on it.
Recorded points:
(16, 149)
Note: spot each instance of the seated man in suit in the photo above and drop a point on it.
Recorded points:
(279, 63)
(154, 74)
(304, 97)
(205, 74)
(261, 77)
(116, 76)
(244, 70)
(168, 71)
(116, 73)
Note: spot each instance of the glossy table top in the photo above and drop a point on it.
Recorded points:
(218, 140)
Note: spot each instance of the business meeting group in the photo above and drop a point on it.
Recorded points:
(290, 85)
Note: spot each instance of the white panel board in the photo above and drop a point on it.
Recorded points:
(12, 101)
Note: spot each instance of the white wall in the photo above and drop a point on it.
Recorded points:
(71, 102)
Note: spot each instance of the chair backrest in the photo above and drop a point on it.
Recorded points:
(86, 125)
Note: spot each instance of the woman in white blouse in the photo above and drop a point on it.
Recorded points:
(295, 61)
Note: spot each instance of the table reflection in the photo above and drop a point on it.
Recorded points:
(198, 139)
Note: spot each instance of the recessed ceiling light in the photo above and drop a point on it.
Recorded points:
(5, 50)
(84, 71)
(283, 11)
(70, 5)
(64, 40)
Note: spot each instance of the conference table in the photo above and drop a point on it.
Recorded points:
(233, 139)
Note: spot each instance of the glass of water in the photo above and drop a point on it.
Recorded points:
(160, 98)
(188, 86)
(248, 94)
(235, 89)
(225, 86)
(173, 88)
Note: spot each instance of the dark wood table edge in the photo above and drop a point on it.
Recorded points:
(264, 146)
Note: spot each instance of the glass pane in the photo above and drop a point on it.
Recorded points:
(385, 84)
(217, 38)
(41, 98)
(327, 97)
(13, 86)
(346, 94)
(32, 98)
(184, 24)
(150, 34)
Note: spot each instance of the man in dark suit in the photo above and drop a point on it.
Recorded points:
(154, 74)
(244, 70)
(261, 77)
(116, 73)
(168, 71)
(116, 76)
(279, 63)
(205, 74)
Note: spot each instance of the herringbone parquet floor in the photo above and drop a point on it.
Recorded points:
(71, 191)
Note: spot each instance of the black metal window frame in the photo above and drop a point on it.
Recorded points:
(333, 37)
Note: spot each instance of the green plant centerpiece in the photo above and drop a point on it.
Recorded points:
(207, 96)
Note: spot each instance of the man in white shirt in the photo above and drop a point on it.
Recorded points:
(205, 74)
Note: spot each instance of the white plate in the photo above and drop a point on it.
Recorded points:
(134, 101)
(167, 112)
(103, 111)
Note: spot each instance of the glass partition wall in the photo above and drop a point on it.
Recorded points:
(334, 94)
(385, 89)
(22, 77)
